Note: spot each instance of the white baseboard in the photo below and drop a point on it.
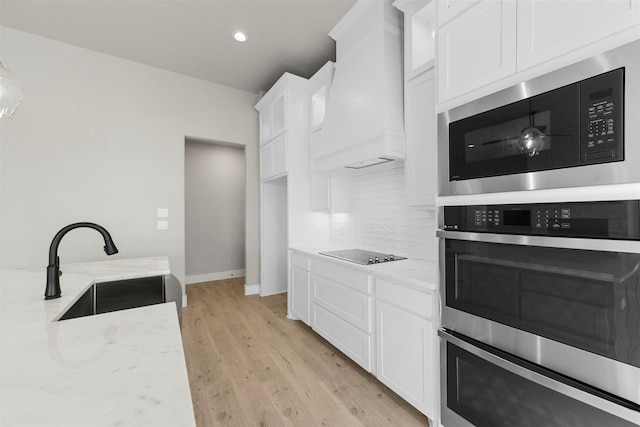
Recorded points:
(199, 278)
(251, 289)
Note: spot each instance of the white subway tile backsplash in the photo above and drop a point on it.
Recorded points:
(380, 219)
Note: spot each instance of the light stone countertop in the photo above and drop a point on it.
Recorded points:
(125, 368)
(420, 274)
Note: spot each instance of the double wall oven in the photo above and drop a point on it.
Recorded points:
(541, 314)
(540, 301)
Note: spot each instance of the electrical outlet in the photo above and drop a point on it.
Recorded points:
(163, 225)
(163, 213)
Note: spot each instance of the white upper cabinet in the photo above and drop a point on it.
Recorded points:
(419, 35)
(283, 122)
(273, 118)
(277, 105)
(273, 158)
(420, 102)
(328, 193)
(548, 29)
(488, 45)
(420, 123)
(319, 87)
(476, 48)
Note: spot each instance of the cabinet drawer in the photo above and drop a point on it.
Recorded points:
(351, 277)
(299, 260)
(348, 339)
(419, 303)
(350, 305)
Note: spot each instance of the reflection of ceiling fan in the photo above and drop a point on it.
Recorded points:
(531, 138)
(530, 141)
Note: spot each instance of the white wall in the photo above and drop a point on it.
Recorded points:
(380, 219)
(101, 139)
(215, 205)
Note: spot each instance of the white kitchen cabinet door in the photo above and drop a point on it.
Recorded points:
(266, 161)
(330, 193)
(319, 87)
(273, 119)
(299, 294)
(420, 117)
(280, 155)
(420, 23)
(549, 29)
(320, 193)
(404, 344)
(273, 158)
(476, 48)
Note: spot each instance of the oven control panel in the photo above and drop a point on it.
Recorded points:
(618, 219)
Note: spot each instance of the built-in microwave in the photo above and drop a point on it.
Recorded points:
(577, 126)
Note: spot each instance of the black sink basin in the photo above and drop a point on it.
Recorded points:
(104, 297)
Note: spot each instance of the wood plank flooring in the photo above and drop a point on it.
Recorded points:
(249, 365)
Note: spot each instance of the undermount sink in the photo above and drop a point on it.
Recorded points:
(104, 297)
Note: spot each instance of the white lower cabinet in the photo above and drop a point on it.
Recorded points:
(299, 287)
(406, 343)
(395, 341)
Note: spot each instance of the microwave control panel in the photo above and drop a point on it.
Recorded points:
(618, 219)
(601, 109)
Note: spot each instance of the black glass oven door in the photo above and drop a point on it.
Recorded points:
(588, 299)
(482, 386)
(534, 134)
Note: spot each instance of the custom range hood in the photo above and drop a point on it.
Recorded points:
(364, 123)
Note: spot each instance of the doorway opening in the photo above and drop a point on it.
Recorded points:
(215, 187)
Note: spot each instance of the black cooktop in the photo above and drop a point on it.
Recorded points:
(360, 256)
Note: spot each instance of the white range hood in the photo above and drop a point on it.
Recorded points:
(364, 122)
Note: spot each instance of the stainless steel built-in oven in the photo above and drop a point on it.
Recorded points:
(541, 314)
(576, 126)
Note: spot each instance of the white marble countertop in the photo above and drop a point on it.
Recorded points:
(421, 274)
(124, 368)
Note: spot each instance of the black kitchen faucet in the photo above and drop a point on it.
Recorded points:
(52, 290)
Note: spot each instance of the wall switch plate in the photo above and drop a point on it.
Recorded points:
(163, 213)
(163, 225)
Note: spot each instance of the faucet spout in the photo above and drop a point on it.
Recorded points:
(53, 269)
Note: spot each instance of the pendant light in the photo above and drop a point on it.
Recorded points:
(10, 92)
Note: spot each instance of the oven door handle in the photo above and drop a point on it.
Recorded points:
(629, 246)
(606, 405)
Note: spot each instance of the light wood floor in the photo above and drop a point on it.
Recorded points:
(249, 365)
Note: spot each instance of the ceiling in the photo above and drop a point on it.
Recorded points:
(193, 37)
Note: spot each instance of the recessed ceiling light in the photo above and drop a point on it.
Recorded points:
(240, 36)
